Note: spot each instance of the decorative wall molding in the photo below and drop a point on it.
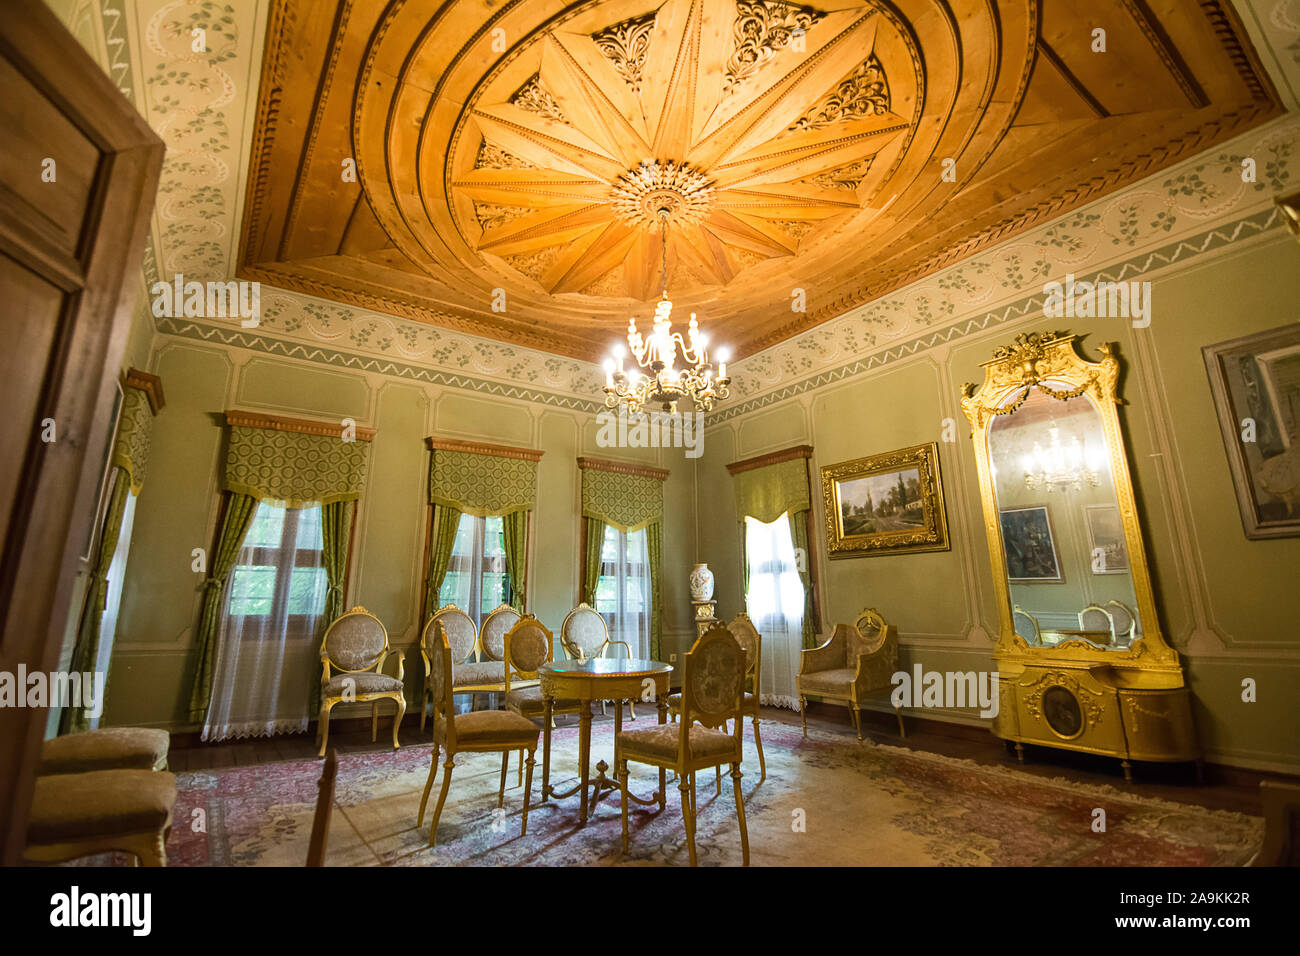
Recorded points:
(303, 426)
(484, 448)
(771, 458)
(623, 468)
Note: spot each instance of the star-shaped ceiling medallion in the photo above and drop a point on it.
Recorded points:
(742, 125)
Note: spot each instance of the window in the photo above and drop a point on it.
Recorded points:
(477, 581)
(623, 589)
(775, 602)
(280, 579)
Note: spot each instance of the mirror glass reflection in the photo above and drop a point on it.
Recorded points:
(1067, 555)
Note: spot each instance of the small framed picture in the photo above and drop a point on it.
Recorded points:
(1107, 549)
(889, 503)
(1255, 383)
(1030, 545)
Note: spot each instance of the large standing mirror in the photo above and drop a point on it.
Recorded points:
(1066, 556)
(1081, 660)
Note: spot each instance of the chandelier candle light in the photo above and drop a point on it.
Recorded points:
(1060, 466)
(663, 382)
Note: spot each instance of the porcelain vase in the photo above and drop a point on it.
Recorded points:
(701, 583)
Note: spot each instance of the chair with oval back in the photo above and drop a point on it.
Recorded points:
(355, 646)
(1124, 620)
(585, 635)
(1026, 625)
(713, 688)
(462, 637)
(481, 731)
(743, 630)
(855, 666)
(529, 645)
(1097, 618)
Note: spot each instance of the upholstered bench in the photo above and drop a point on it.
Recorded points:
(79, 814)
(113, 748)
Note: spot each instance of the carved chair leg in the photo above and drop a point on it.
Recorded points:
(740, 814)
(324, 720)
(688, 818)
(717, 780)
(442, 798)
(428, 785)
(902, 731)
(762, 761)
(803, 713)
(397, 720)
(621, 774)
(424, 708)
(857, 721)
(374, 721)
(520, 771)
(501, 793)
(528, 787)
(631, 707)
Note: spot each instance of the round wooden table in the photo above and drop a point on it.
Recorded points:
(600, 679)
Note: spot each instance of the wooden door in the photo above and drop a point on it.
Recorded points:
(78, 172)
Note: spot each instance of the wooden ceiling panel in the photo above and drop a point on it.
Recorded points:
(539, 148)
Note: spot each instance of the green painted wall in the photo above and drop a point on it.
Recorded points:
(153, 661)
(1229, 605)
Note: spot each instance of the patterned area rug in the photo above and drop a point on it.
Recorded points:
(827, 801)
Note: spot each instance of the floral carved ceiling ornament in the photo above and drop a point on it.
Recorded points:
(743, 134)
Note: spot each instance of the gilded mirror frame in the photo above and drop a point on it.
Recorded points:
(1051, 363)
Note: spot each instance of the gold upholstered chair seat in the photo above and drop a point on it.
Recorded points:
(661, 742)
(749, 704)
(112, 748)
(832, 683)
(491, 727)
(473, 675)
(79, 814)
(529, 702)
(363, 683)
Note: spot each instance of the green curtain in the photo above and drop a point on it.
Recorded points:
(628, 502)
(86, 650)
(446, 521)
(654, 543)
(591, 560)
(336, 535)
(767, 493)
(134, 436)
(235, 523)
(514, 529)
(480, 484)
(799, 535)
(292, 468)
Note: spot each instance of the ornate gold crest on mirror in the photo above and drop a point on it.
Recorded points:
(1082, 662)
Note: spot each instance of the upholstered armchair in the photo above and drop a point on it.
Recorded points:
(1026, 625)
(492, 639)
(1123, 618)
(855, 665)
(584, 635)
(356, 646)
(1097, 618)
(483, 731)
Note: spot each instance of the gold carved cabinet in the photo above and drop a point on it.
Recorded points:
(1082, 662)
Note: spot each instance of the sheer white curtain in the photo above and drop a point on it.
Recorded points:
(113, 599)
(623, 591)
(775, 601)
(269, 643)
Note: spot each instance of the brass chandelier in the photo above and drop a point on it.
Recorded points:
(1061, 467)
(657, 379)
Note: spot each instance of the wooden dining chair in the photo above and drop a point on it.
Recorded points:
(529, 645)
(585, 635)
(480, 731)
(355, 647)
(742, 628)
(713, 687)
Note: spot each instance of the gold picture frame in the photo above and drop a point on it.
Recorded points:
(891, 503)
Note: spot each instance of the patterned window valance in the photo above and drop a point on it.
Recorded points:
(480, 479)
(627, 497)
(770, 485)
(295, 461)
(142, 399)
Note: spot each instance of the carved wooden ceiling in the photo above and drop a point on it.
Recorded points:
(515, 160)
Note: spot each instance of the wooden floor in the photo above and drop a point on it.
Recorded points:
(1224, 789)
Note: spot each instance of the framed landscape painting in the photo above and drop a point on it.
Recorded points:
(1255, 382)
(1030, 545)
(890, 503)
